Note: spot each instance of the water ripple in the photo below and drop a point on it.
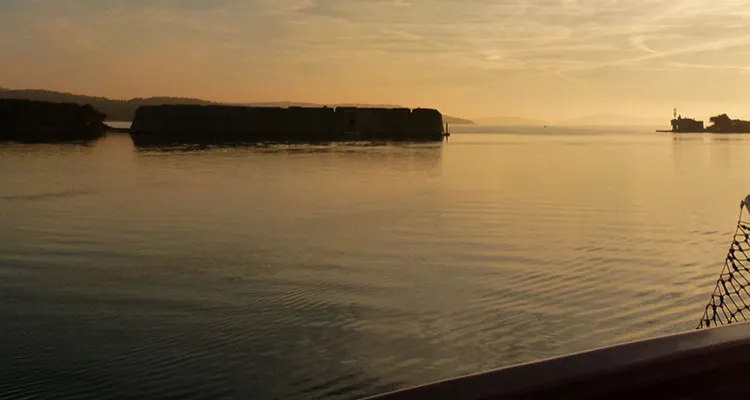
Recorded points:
(344, 271)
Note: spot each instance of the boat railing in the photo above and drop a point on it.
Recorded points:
(685, 366)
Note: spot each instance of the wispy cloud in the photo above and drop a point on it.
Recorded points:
(709, 46)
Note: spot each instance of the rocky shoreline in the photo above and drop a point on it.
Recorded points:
(27, 121)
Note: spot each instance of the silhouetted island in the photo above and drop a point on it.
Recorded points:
(719, 124)
(194, 124)
(28, 121)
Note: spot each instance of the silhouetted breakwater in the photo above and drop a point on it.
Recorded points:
(189, 124)
(719, 124)
(686, 125)
(28, 121)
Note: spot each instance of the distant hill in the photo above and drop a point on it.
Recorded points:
(588, 120)
(456, 121)
(613, 120)
(510, 121)
(124, 110)
(298, 104)
(116, 110)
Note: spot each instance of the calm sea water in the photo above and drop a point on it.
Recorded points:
(344, 271)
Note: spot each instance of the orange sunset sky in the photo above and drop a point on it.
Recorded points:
(547, 59)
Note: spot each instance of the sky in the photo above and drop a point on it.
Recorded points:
(547, 59)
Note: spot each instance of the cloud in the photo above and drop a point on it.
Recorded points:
(639, 42)
(708, 46)
(486, 47)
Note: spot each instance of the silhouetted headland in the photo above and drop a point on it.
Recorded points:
(719, 124)
(28, 121)
(204, 125)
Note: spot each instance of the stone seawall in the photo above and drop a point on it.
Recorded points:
(28, 121)
(187, 124)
